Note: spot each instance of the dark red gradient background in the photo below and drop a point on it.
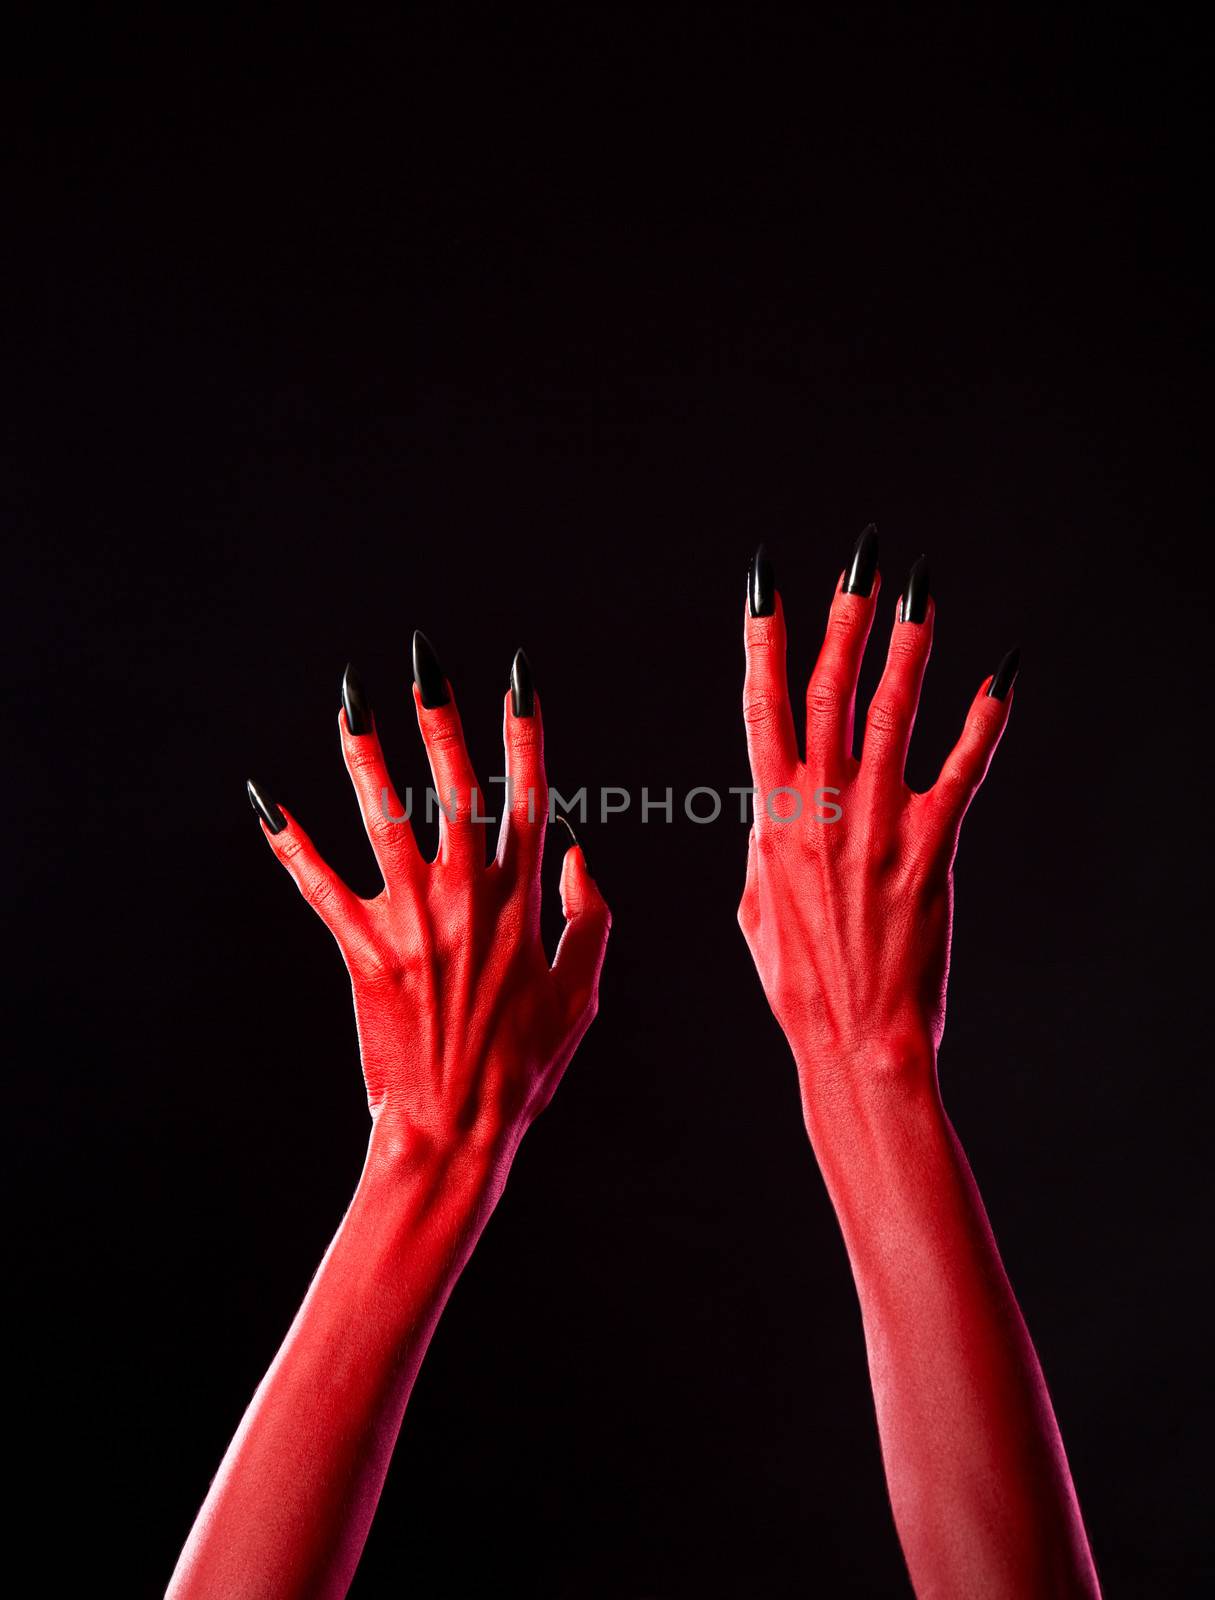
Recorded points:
(525, 330)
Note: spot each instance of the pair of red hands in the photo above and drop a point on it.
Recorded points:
(465, 1029)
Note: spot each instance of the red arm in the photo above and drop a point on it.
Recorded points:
(464, 1032)
(847, 912)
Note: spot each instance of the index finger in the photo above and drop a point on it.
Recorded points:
(771, 740)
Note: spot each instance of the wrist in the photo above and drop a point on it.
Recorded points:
(449, 1184)
(850, 1087)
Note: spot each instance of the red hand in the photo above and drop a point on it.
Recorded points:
(848, 919)
(465, 1031)
(848, 922)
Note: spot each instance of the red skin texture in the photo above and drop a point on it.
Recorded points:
(464, 1033)
(848, 924)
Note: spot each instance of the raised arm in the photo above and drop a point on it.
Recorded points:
(847, 911)
(464, 1032)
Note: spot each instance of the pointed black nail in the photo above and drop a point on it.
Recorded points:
(1002, 678)
(522, 688)
(858, 579)
(358, 712)
(915, 595)
(427, 673)
(761, 584)
(265, 807)
(565, 822)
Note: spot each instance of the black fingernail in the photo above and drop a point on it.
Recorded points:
(761, 584)
(565, 822)
(522, 689)
(358, 712)
(915, 595)
(1002, 679)
(265, 807)
(427, 673)
(858, 579)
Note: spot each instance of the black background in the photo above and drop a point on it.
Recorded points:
(524, 326)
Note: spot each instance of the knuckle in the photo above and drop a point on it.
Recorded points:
(460, 809)
(529, 807)
(989, 718)
(978, 744)
(760, 707)
(844, 623)
(762, 634)
(444, 734)
(316, 891)
(364, 760)
(384, 826)
(824, 698)
(373, 963)
(905, 650)
(773, 839)
(394, 842)
(885, 717)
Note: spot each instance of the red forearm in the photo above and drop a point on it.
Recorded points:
(465, 1030)
(979, 1482)
(290, 1508)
